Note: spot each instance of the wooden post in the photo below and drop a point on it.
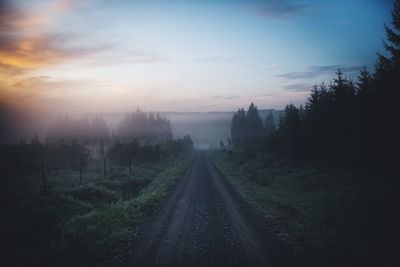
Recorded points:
(44, 178)
(81, 171)
(104, 168)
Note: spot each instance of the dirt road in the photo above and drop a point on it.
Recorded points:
(202, 223)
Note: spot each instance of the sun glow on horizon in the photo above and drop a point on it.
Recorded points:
(94, 56)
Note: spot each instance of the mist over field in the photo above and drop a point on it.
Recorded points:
(207, 129)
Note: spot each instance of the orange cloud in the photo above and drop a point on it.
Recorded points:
(60, 5)
(19, 19)
(23, 46)
(33, 92)
(27, 44)
(20, 48)
(29, 53)
(33, 52)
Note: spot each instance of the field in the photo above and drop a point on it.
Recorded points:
(81, 225)
(332, 217)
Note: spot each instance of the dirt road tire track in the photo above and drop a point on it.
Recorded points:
(202, 223)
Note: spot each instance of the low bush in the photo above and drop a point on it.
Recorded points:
(334, 217)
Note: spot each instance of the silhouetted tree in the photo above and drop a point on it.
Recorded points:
(392, 45)
(179, 145)
(269, 124)
(254, 125)
(238, 127)
(289, 129)
(246, 128)
(364, 82)
(344, 122)
(386, 93)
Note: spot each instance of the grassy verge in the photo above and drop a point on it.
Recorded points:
(85, 225)
(334, 217)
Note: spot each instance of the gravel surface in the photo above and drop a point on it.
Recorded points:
(203, 222)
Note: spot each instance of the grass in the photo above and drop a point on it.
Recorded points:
(334, 217)
(83, 225)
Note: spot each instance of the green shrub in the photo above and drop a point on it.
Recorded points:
(94, 194)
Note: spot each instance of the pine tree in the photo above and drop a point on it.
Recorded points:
(392, 45)
(364, 81)
(269, 124)
(289, 130)
(235, 129)
(242, 125)
(385, 96)
(254, 122)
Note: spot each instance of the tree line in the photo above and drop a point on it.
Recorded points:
(133, 152)
(247, 128)
(345, 122)
(95, 129)
(138, 125)
(71, 143)
(144, 126)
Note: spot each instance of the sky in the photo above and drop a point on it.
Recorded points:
(92, 56)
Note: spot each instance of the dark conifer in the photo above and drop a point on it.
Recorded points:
(269, 124)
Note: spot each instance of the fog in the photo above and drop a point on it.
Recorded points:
(18, 123)
(206, 129)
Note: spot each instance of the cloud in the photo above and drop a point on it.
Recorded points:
(267, 67)
(316, 71)
(37, 85)
(207, 60)
(35, 91)
(267, 95)
(14, 17)
(32, 52)
(60, 5)
(26, 42)
(141, 56)
(10, 70)
(285, 8)
(227, 97)
(46, 83)
(133, 56)
(297, 87)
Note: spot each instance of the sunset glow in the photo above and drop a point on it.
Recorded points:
(112, 56)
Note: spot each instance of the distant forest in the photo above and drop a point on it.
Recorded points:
(346, 122)
(138, 125)
(145, 126)
(71, 143)
(69, 129)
